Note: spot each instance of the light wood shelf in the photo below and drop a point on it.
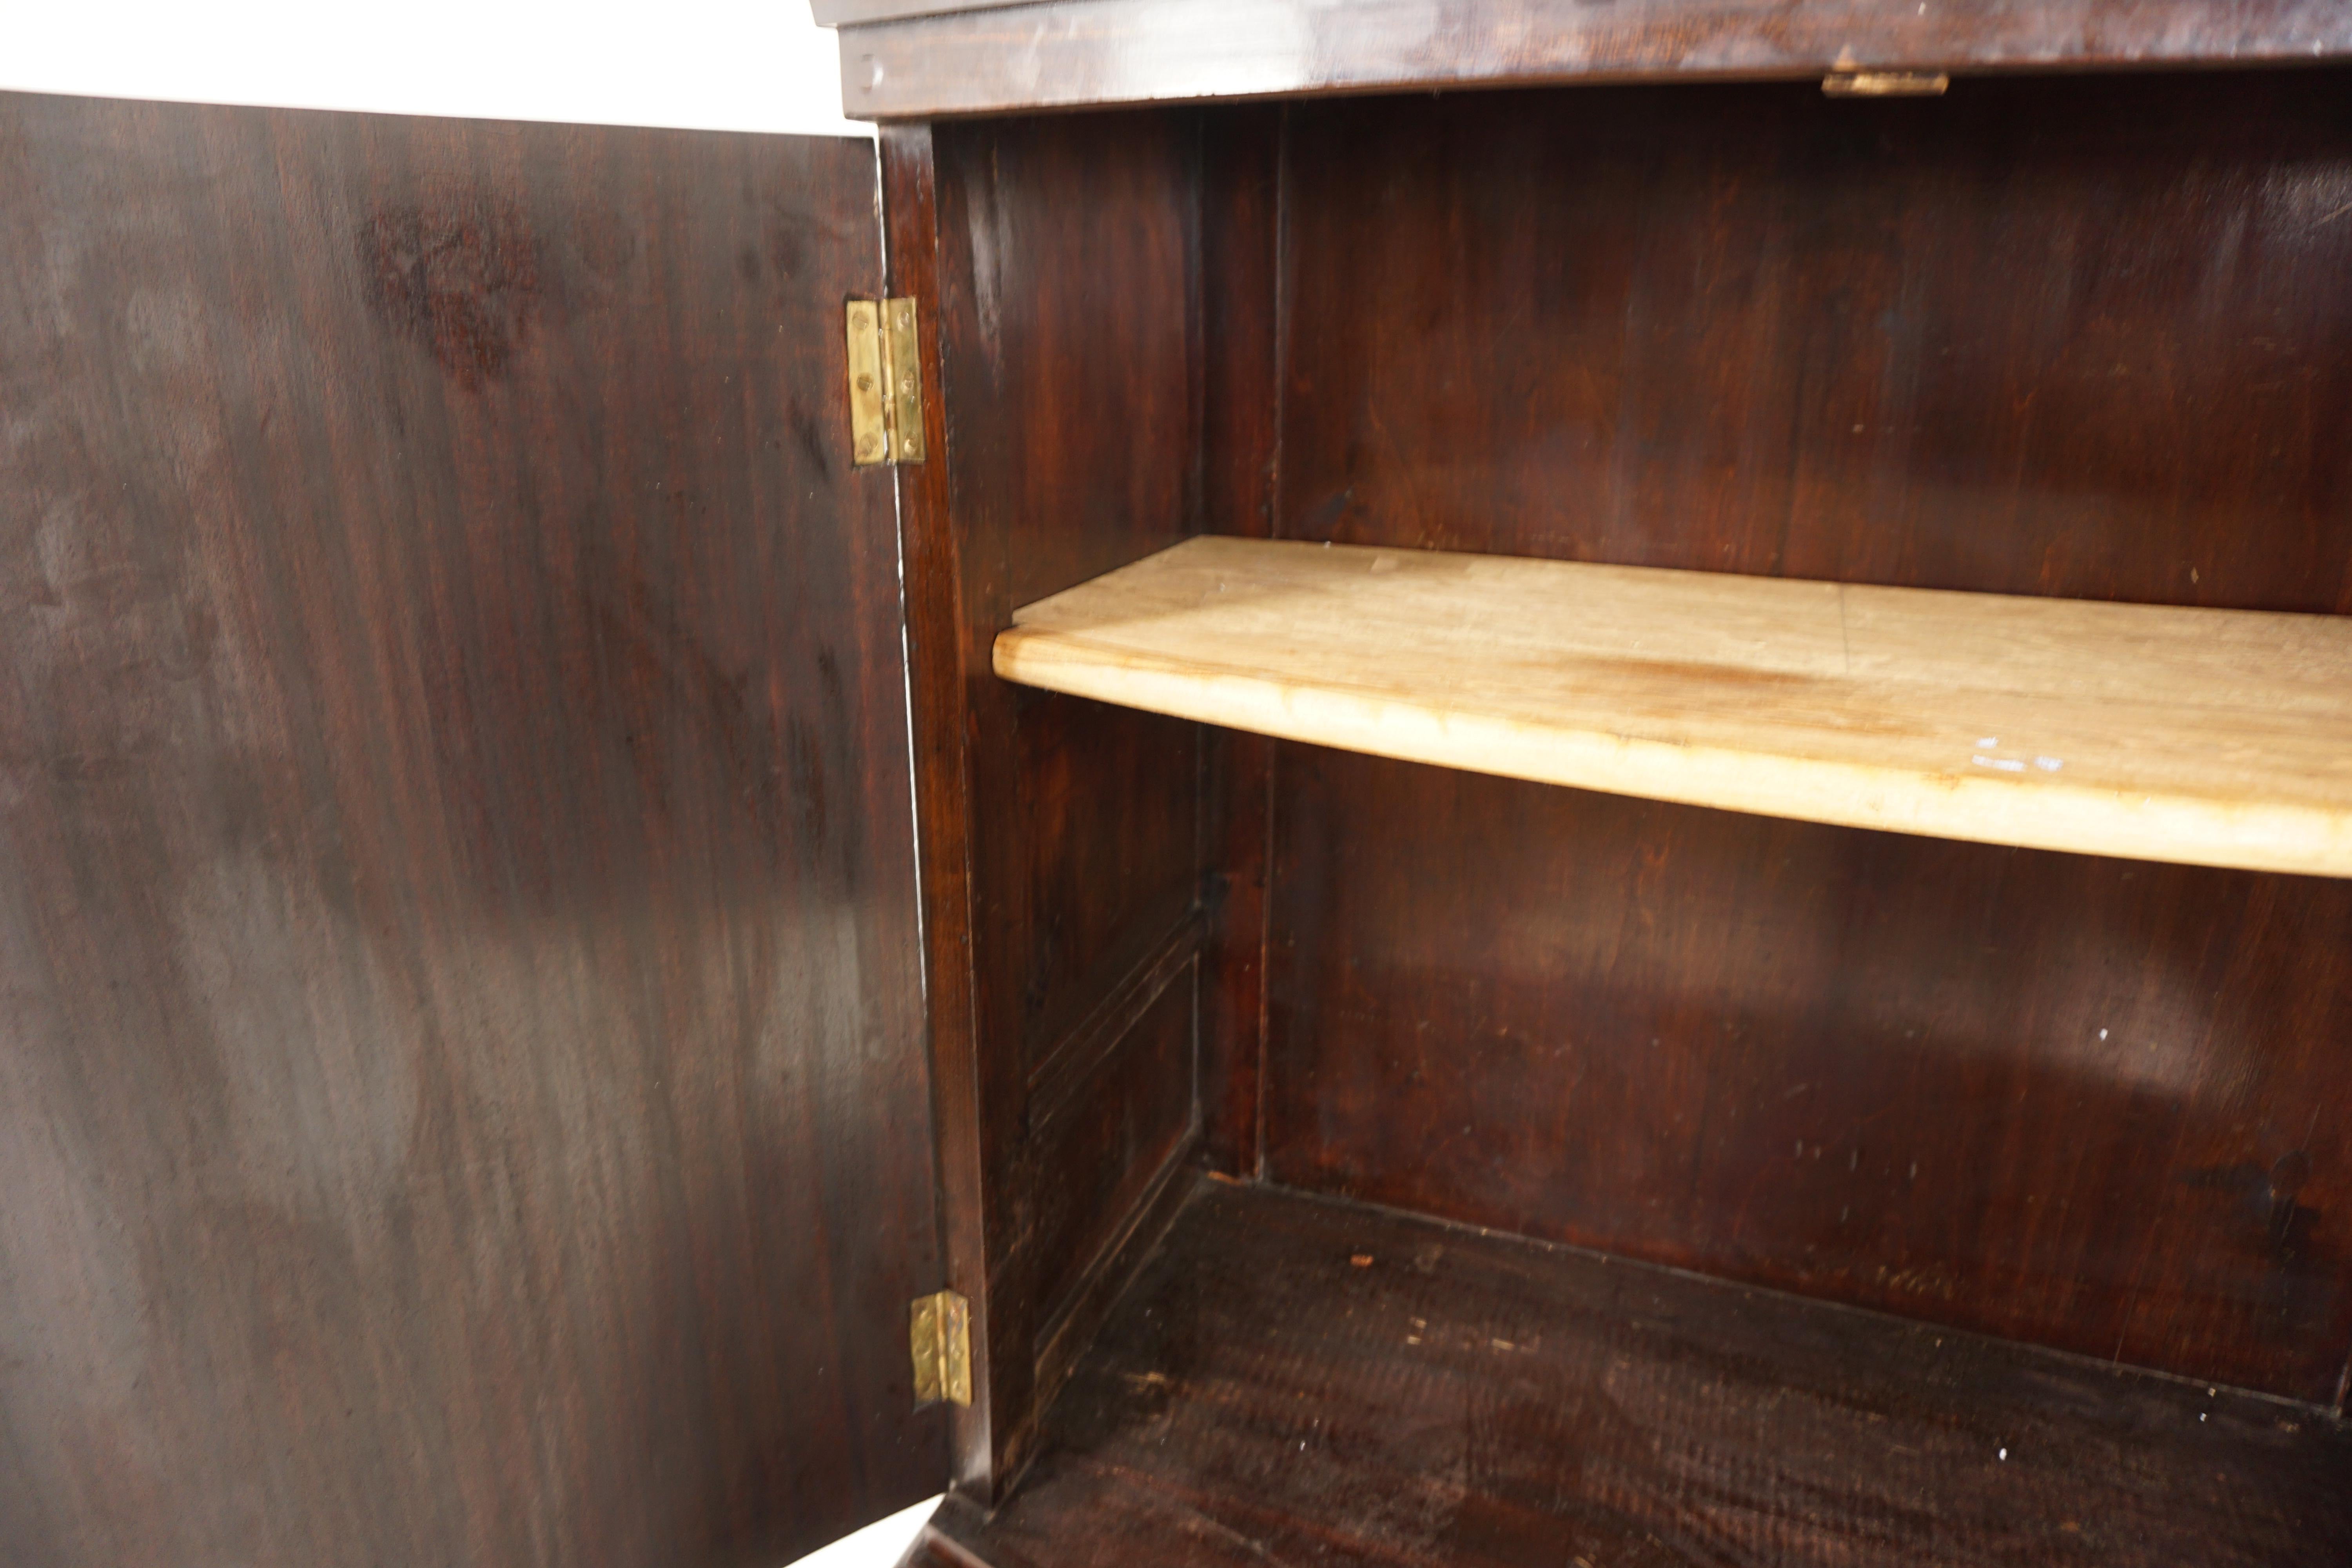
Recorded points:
(2211, 737)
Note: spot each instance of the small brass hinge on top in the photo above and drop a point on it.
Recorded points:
(885, 383)
(1885, 84)
(939, 1327)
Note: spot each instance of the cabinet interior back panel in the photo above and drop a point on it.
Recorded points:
(2087, 338)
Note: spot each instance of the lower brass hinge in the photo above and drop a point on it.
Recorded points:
(941, 1329)
(885, 383)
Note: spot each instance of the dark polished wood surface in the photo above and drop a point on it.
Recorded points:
(2085, 1102)
(1079, 53)
(462, 1094)
(2088, 338)
(1295, 1381)
(1064, 264)
(2084, 338)
(945, 762)
(1240, 222)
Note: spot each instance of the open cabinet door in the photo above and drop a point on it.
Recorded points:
(462, 1082)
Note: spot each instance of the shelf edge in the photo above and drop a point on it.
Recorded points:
(2037, 815)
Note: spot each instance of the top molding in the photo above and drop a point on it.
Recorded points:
(905, 59)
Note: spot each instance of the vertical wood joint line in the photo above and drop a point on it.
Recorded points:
(1274, 530)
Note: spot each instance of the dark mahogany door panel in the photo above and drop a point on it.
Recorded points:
(462, 1084)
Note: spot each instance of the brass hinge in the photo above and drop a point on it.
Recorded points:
(885, 383)
(941, 1329)
(1885, 84)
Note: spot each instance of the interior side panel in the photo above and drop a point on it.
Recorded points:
(1067, 305)
(1107, 1132)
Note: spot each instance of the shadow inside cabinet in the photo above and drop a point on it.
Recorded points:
(1294, 1379)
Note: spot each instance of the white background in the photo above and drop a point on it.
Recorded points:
(718, 65)
(715, 65)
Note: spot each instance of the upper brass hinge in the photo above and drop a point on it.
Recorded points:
(885, 383)
(940, 1330)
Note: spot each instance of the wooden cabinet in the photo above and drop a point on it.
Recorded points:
(1599, 822)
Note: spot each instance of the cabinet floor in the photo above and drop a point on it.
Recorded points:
(1292, 1380)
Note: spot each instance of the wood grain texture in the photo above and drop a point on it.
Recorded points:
(944, 768)
(2083, 338)
(1072, 445)
(1079, 53)
(2207, 737)
(462, 1094)
(1107, 1132)
(1295, 1381)
(2085, 1102)
(2093, 334)
(1241, 154)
